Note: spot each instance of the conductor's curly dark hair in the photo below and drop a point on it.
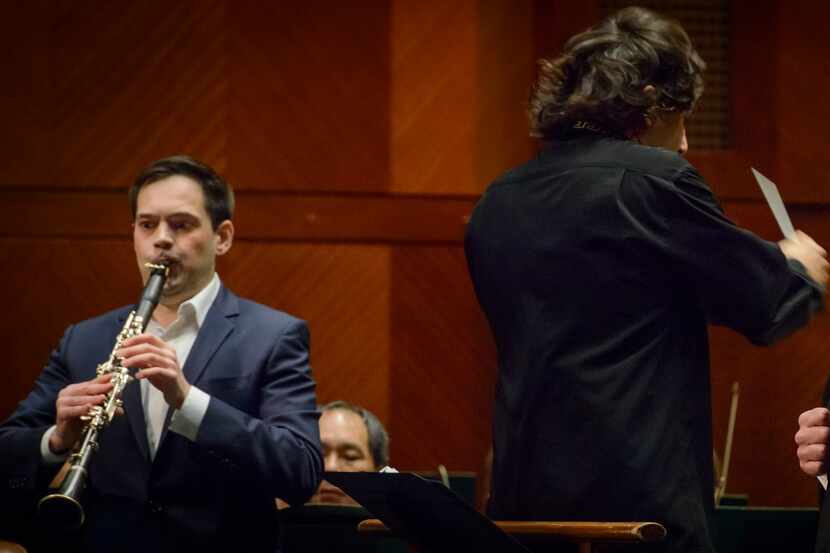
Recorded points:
(602, 76)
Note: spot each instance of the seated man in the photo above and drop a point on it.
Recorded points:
(353, 440)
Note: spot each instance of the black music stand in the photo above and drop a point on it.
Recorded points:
(424, 512)
(331, 529)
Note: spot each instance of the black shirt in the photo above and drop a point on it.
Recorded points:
(598, 265)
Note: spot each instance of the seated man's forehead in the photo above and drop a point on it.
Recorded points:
(340, 426)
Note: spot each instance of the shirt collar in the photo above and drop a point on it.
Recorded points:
(201, 302)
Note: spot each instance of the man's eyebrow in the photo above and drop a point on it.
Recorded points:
(183, 214)
(167, 216)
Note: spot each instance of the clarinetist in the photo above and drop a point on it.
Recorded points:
(221, 417)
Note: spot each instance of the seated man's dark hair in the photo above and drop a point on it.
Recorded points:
(219, 199)
(602, 75)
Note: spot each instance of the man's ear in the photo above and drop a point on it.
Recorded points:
(651, 92)
(224, 237)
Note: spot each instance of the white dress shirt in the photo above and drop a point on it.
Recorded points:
(181, 334)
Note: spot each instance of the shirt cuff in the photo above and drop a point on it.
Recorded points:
(46, 454)
(822, 478)
(187, 419)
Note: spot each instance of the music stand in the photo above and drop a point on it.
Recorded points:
(425, 512)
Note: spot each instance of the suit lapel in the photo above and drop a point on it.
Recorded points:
(217, 326)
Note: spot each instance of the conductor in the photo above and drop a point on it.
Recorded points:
(599, 265)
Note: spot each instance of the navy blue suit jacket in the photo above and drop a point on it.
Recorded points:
(259, 438)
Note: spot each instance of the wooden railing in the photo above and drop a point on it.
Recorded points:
(585, 534)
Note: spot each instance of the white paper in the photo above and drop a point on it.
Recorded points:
(775, 203)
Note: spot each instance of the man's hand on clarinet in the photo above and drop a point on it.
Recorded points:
(812, 440)
(157, 362)
(73, 402)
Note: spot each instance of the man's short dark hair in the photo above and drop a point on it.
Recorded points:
(378, 438)
(601, 75)
(218, 195)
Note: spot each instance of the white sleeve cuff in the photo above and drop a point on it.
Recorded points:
(46, 453)
(187, 420)
(822, 478)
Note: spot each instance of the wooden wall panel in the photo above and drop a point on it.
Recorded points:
(149, 82)
(309, 84)
(63, 214)
(442, 362)
(507, 64)
(557, 21)
(382, 218)
(26, 142)
(755, 90)
(433, 98)
(452, 63)
(802, 111)
(729, 173)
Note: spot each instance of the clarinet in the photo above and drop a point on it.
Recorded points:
(63, 508)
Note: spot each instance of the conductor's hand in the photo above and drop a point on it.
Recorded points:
(812, 439)
(804, 249)
(157, 362)
(73, 402)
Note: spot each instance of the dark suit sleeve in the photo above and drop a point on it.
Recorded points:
(279, 448)
(23, 474)
(740, 280)
(21, 433)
